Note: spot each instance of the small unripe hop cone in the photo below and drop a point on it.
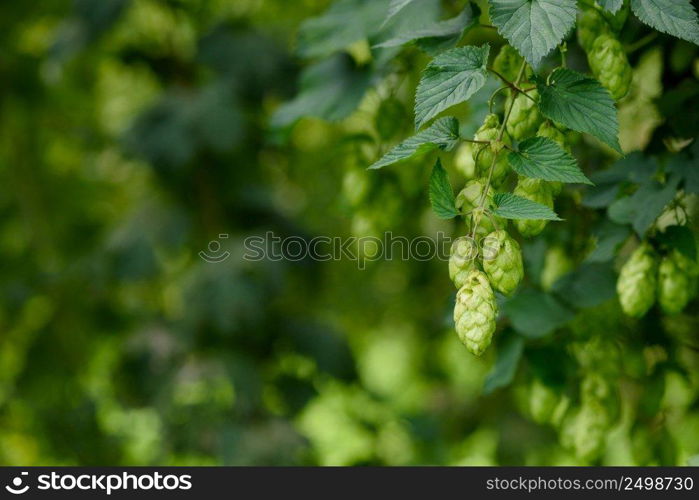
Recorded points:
(502, 261)
(464, 252)
(483, 154)
(637, 282)
(468, 200)
(610, 65)
(475, 313)
(677, 282)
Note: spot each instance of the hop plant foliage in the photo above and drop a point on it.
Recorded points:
(462, 260)
(537, 191)
(485, 156)
(475, 312)
(525, 117)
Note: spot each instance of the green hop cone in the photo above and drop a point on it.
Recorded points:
(508, 62)
(525, 118)
(610, 65)
(502, 261)
(463, 160)
(483, 154)
(585, 431)
(591, 24)
(543, 401)
(475, 312)
(537, 191)
(468, 200)
(676, 282)
(462, 260)
(556, 264)
(637, 281)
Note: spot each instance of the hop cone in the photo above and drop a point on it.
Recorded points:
(508, 62)
(483, 154)
(468, 201)
(502, 261)
(546, 406)
(538, 191)
(462, 260)
(610, 65)
(475, 312)
(591, 24)
(525, 118)
(676, 282)
(556, 264)
(586, 430)
(637, 281)
(463, 160)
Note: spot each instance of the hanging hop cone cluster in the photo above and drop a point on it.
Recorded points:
(645, 277)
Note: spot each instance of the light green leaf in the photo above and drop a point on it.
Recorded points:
(675, 17)
(533, 27)
(503, 372)
(345, 22)
(510, 206)
(580, 103)
(451, 78)
(542, 158)
(440, 34)
(612, 6)
(441, 193)
(330, 89)
(442, 134)
(395, 7)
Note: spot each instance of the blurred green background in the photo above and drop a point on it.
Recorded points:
(132, 134)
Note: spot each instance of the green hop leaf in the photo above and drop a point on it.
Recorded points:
(483, 154)
(637, 281)
(611, 5)
(525, 118)
(541, 158)
(462, 260)
(675, 17)
(539, 192)
(441, 193)
(451, 78)
(609, 64)
(533, 27)
(502, 261)
(677, 282)
(442, 134)
(580, 103)
(475, 313)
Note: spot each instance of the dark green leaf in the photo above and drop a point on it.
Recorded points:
(451, 78)
(510, 206)
(345, 22)
(608, 239)
(441, 193)
(330, 89)
(533, 27)
(439, 35)
(536, 314)
(542, 158)
(505, 367)
(442, 134)
(675, 17)
(680, 238)
(612, 6)
(580, 103)
(644, 206)
(588, 286)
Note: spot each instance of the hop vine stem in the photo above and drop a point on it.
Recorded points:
(501, 134)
